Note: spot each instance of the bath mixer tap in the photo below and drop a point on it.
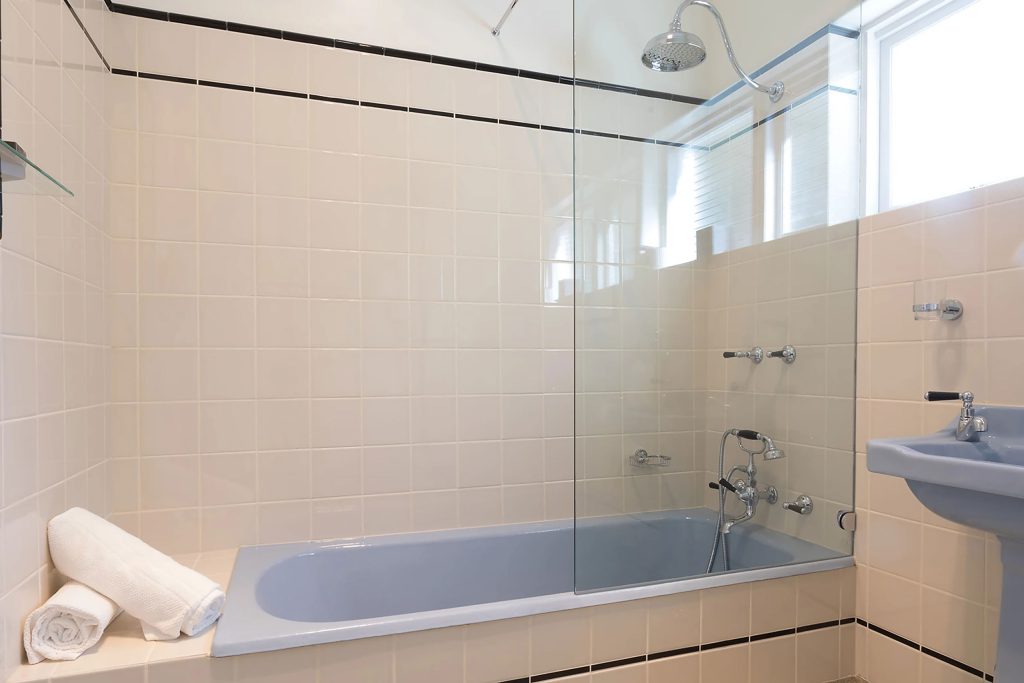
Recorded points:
(969, 425)
(748, 493)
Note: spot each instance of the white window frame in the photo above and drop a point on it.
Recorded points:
(881, 36)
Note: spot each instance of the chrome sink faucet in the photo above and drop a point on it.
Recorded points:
(969, 426)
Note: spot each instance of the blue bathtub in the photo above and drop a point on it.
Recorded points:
(298, 594)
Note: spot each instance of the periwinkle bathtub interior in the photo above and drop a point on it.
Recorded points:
(498, 342)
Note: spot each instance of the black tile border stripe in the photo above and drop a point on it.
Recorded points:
(956, 663)
(282, 93)
(774, 634)
(483, 119)
(141, 12)
(171, 79)
(618, 662)
(678, 652)
(226, 86)
(394, 107)
(564, 673)
(830, 29)
(755, 638)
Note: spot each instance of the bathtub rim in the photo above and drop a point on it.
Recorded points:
(242, 640)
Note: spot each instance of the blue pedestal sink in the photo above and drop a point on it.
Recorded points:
(978, 484)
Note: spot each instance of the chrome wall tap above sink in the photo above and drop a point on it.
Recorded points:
(972, 472)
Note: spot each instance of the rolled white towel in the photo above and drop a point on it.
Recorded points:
(68, 624)
(167, 597)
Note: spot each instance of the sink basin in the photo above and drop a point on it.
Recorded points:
(978, 484)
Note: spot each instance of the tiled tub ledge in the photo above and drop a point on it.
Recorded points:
(806, 620)
(123, 655)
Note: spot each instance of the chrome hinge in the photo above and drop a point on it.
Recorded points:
(847, 520)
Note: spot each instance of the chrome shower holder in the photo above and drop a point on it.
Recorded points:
(947, 309)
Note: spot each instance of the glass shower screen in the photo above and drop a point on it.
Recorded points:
(715, 294)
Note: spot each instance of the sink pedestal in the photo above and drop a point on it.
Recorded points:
(1010, 656)
(978, 483)
(998, 515)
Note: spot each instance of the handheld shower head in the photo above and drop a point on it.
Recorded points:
(678, 50)
(771, 452)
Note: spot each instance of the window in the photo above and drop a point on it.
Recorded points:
(949, 99)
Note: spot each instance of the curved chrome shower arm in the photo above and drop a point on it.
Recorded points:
(774, 91)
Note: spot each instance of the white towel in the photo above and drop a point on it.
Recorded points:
(67, 624)
(167, 597)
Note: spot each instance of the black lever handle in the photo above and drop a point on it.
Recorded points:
(748, 434)
(720, 483)
(729, 354)
(942, 396)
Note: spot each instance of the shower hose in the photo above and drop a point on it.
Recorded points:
(720, 540)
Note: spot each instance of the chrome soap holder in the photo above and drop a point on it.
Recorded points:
(946, 309)
(643, 458)
(931, 302)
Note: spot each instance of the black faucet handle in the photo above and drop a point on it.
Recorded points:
(943, 396)
(748, 434)
(722, 483)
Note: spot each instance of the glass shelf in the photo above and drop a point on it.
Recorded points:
(21, 175)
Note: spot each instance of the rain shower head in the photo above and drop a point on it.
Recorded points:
(678, 50)
(674, 51)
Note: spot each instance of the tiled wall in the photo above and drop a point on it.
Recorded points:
(920, 576)
(635, 297)
(798, 290)
(53, 259)
(332, 319)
